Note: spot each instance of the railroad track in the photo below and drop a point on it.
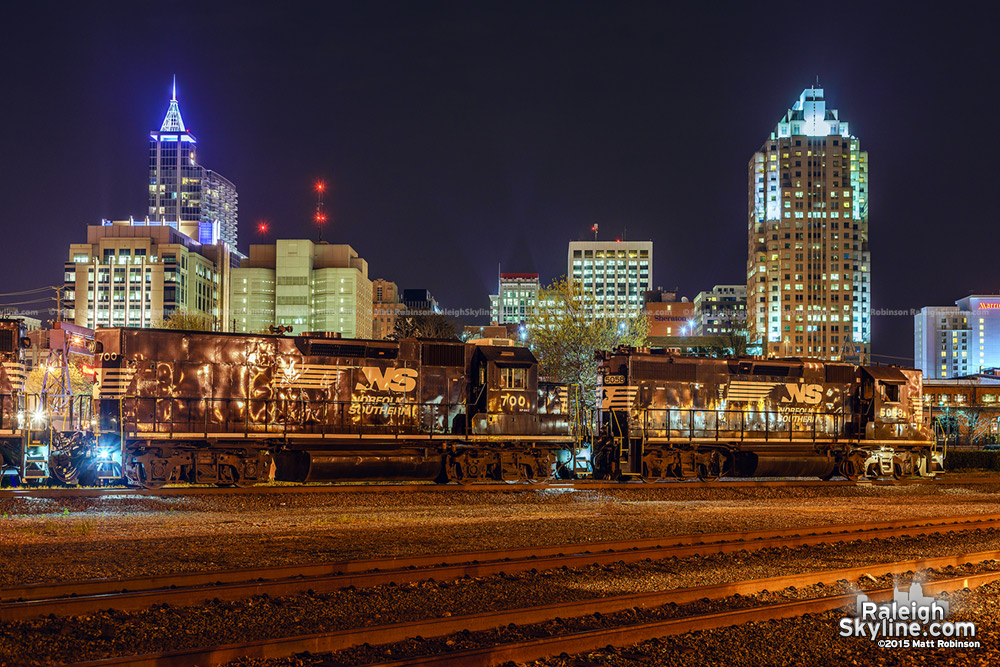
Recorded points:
(193, 588)
(581, 641)
(57, 493)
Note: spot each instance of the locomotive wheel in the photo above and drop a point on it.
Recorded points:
(148, 483)
(850, 470)
(460, 473)
(528, 475)
(897, 470)
(711, 471)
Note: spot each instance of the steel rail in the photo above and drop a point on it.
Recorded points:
(195, 588)
(431, 487)
(582, 642)
(579, 641)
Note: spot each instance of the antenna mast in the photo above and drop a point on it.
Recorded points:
(320, 216)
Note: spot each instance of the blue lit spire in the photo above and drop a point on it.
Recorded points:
(173, 122)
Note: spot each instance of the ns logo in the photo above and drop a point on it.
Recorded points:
(393, 379)
(810, 394)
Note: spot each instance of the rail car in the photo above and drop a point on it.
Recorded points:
(662, 416)
(45, 434)
(14, 415)
(227, 408)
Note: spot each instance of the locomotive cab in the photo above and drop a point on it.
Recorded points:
(503, 391)
(885, 406)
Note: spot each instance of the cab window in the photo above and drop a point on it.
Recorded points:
(512, 378)
(890, 393)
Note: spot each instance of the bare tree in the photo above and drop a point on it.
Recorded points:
(565, 333)
(185, 320)
(425, 325)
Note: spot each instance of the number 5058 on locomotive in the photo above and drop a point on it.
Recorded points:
(669, 417)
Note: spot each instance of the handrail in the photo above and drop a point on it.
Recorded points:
(171, 415)
(723, 424)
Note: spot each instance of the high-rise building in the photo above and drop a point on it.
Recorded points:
(132, 274)
(615, 274)
(309, 286)
(199, 202)
(516, 298)
(419, 300)
(723, 310)
(809, 268)
(385, 308)
(959, 340)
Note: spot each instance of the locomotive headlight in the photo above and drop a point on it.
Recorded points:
(103, 454)
(38, 416)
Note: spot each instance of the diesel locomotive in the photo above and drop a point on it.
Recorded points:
(663, 416)
(240, 409)
(14, 417)
(226, 408)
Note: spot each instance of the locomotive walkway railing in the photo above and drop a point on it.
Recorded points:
(290, 417)
(19, 407)
(170, 416)
(676, 424)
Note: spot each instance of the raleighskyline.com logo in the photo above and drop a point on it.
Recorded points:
(910, 620)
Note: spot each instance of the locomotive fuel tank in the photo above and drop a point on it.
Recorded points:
(327, 466)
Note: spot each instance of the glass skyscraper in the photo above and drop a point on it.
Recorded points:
(809, 267)
(199, 202)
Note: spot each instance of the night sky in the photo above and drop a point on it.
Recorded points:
(459, 136)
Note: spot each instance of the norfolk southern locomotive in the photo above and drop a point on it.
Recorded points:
(13, 410)
(222, 408)
(670, 417)
(239, 409)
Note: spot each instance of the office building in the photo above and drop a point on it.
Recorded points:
(614, 275)
(308, 286)
(132, 274)
(196, 201)
(516, 298)
(723, 310)
(959, 340)
(385, 308)
(419, 301)
(809, 268)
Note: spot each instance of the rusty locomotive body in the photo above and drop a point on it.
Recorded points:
(663, 416)
(239, 409)
(12, 403)
(224, 408)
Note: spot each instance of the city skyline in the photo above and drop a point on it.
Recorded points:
(520, 126)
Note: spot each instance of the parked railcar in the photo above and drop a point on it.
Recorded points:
(670, 417)
(225, 408)
(11, 385)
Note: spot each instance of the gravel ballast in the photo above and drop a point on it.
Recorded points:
(55, 640)
(126, 535)
(43, 540)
